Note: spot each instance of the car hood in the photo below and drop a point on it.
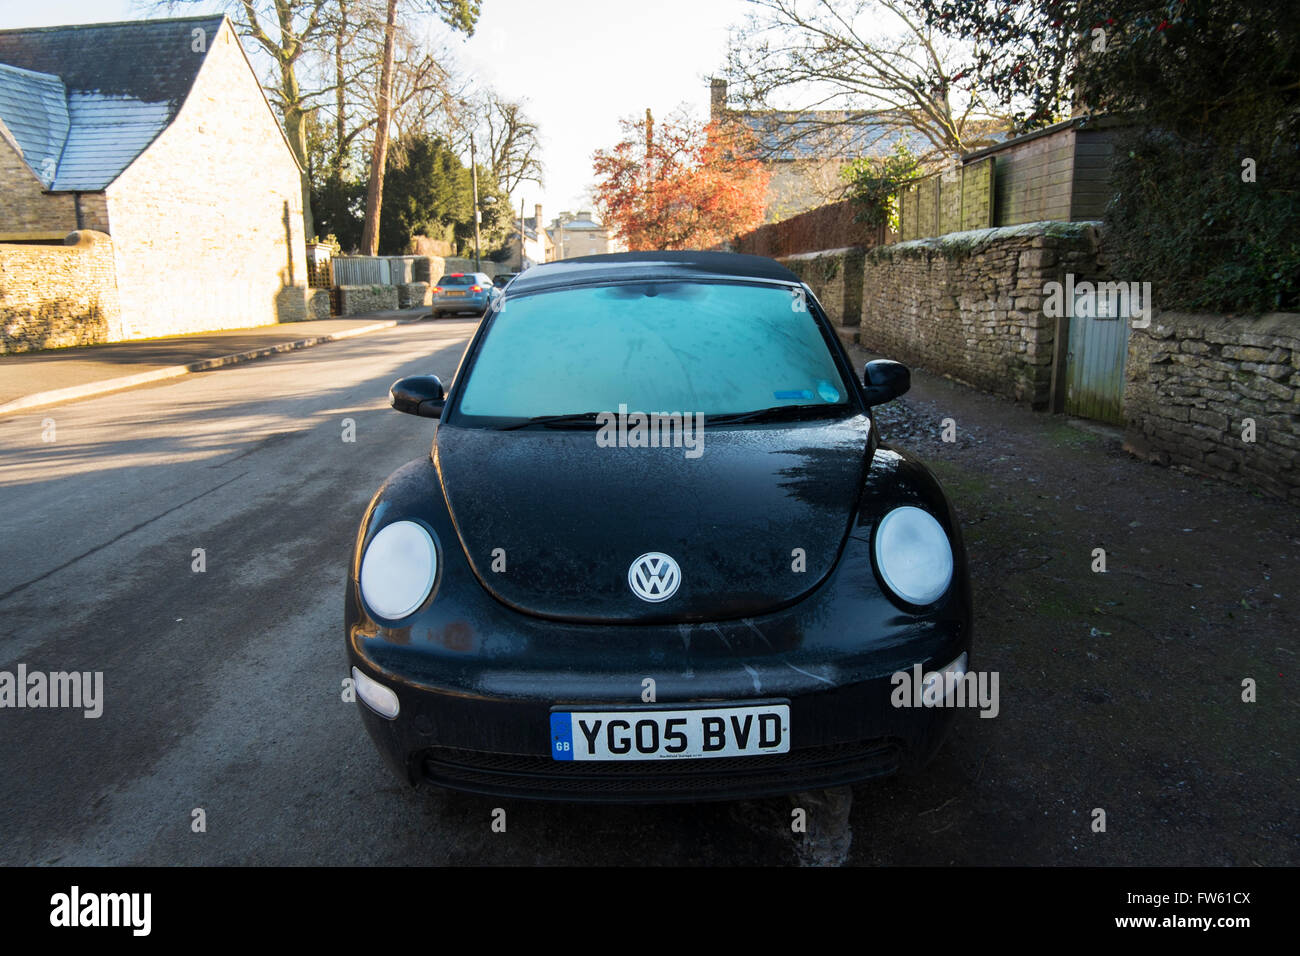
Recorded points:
(551, 523)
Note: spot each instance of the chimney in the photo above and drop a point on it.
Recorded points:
(584, 214)
(717, 98)
(537, 211)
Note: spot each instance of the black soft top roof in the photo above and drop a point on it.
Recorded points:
(632, 266)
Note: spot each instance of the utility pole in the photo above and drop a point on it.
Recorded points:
(473, 173)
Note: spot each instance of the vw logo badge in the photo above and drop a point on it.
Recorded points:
(654, 577)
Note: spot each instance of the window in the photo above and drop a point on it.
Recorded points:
(656, 346)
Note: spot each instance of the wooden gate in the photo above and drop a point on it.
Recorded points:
(1094, 368)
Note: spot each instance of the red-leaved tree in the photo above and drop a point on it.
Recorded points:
(680, 184)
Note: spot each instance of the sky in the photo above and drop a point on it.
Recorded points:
(579, 65)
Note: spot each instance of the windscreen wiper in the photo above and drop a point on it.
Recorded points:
(571, 418)
(777, 413)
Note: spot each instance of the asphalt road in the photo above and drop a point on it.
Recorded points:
(222, 688)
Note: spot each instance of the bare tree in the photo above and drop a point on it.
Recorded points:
(513, 150)
(425, 83)
(459, 15)
(379, 153)
(862, 71)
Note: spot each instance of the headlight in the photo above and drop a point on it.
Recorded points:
(398, 569)
(913, 555)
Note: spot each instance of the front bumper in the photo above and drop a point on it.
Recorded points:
(476, 680)
(475, 699)
(839, 735)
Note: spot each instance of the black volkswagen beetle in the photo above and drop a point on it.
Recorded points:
(658, 550)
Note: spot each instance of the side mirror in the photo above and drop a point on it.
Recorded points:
(421, 395)
(885, 380)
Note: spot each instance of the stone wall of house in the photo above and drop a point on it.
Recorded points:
(835, 276)
(1219, 395)
(94, 212)
(207, 222)
(411, 294)
(360, 299)
(969, 305)
(55, 296)
(25, 206)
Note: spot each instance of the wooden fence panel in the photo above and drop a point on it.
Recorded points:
(948, 201)
(950, 184)
(977, 194)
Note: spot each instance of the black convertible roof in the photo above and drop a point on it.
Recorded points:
(632, 266)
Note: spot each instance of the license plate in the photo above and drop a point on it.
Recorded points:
(453, 293)
(666, 734)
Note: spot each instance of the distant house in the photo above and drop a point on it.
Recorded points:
(157, 133)
(536, 247)
(579, 235)
(804, 150)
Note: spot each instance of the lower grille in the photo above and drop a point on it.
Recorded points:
(660, 780)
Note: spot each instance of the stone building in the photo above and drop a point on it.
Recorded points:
(536, 243)
(579, 235)
(156, 133)
(804, 150)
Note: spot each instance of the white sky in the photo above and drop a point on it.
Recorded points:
(580, 65)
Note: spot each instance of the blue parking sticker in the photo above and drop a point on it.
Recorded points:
(561, 737)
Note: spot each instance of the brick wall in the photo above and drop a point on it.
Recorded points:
(1193, 381)
(969, 305)
(207, 222)
(833, 226)
(55, 296)
(25, 207)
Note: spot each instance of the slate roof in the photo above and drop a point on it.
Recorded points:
(34, 108)
(579, 225)
(122, 85)
(788, 135)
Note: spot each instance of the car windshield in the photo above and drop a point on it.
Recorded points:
(456, 280)
(714, 348)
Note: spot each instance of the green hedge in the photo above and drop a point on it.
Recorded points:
(1184, 219)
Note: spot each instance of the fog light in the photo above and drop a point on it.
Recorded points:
(375, 695)
(947, 685)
